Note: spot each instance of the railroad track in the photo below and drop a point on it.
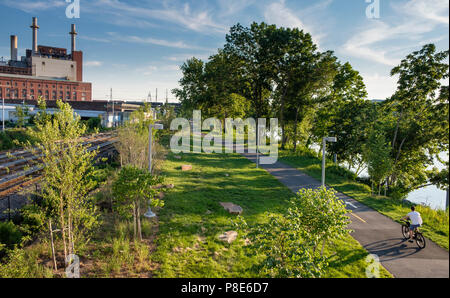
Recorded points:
(21, 168)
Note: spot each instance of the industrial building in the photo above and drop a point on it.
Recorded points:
(47, 72)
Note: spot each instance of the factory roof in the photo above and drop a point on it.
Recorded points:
(97, 105)
(37, 78)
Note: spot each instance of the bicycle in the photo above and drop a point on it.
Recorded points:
(417, 235)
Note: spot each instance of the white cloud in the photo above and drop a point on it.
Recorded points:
(433, 10)
(415, 19)
(379, 86)
(32, 6)
(113, 36)
(93, 63)
(184, 57)
(96, 39)
(199, 21)
(279, 14)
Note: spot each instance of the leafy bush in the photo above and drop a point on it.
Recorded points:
(290, 241)
(94, 123)
(11, 138)
(9, 234)
(340, 171)
(23, 264)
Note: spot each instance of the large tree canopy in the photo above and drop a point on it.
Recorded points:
(269, 71)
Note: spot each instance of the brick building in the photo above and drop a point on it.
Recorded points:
(46, 72)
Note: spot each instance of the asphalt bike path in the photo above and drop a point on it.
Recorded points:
(377, 233)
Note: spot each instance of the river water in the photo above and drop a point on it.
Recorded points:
(430, 195)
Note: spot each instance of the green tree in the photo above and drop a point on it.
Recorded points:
(22, 112)
(133, 189)
(66, 176)
(377, 156)
(250, 47)
(290, 241)
(418, 116)
(42, 116)
(193, 87)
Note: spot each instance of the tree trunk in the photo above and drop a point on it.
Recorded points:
(139, 221)
(134, 220)
(69, 231)
(295, 130)
(63, 227)
(379, 188)
(282, 122)
(52, 245)
(396, 129)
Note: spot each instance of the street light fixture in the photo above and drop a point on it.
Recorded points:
(157, 126)
(324, 142)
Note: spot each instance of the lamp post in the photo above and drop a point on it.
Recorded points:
(149, 213)
(324, 143)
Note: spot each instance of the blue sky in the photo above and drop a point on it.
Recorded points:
(137, 46)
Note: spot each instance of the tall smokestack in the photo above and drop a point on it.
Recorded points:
(14, 47)
(34, 26)
(74, 34)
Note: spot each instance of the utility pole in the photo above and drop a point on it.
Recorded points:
(111, 98)
(3, 113)
(156, 94)
(167, 96)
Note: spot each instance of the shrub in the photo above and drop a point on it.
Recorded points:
(23, 264)
(10, 234)
(94, 123)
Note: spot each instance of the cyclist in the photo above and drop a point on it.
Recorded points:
(416, 221)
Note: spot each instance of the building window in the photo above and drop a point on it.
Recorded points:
(61, 96)
(54, 95)
(40, 93)
(14, 93)
(1, 92)
(67, 95)
(24, 93)
(7, 93)
(46, 95)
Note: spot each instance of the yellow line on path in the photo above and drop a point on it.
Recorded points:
(358, 217)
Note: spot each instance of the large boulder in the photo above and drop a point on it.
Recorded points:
(229, 236)
(232, 208)
(186, 168)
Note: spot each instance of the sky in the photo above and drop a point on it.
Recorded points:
(136, 47)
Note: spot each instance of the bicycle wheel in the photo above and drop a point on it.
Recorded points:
(420, 240)
(405, 231)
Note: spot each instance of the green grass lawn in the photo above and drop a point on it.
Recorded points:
(436, 222)
(187, 244)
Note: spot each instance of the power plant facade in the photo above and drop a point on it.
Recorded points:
(47, 72)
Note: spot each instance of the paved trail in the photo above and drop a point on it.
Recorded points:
(377, 233)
